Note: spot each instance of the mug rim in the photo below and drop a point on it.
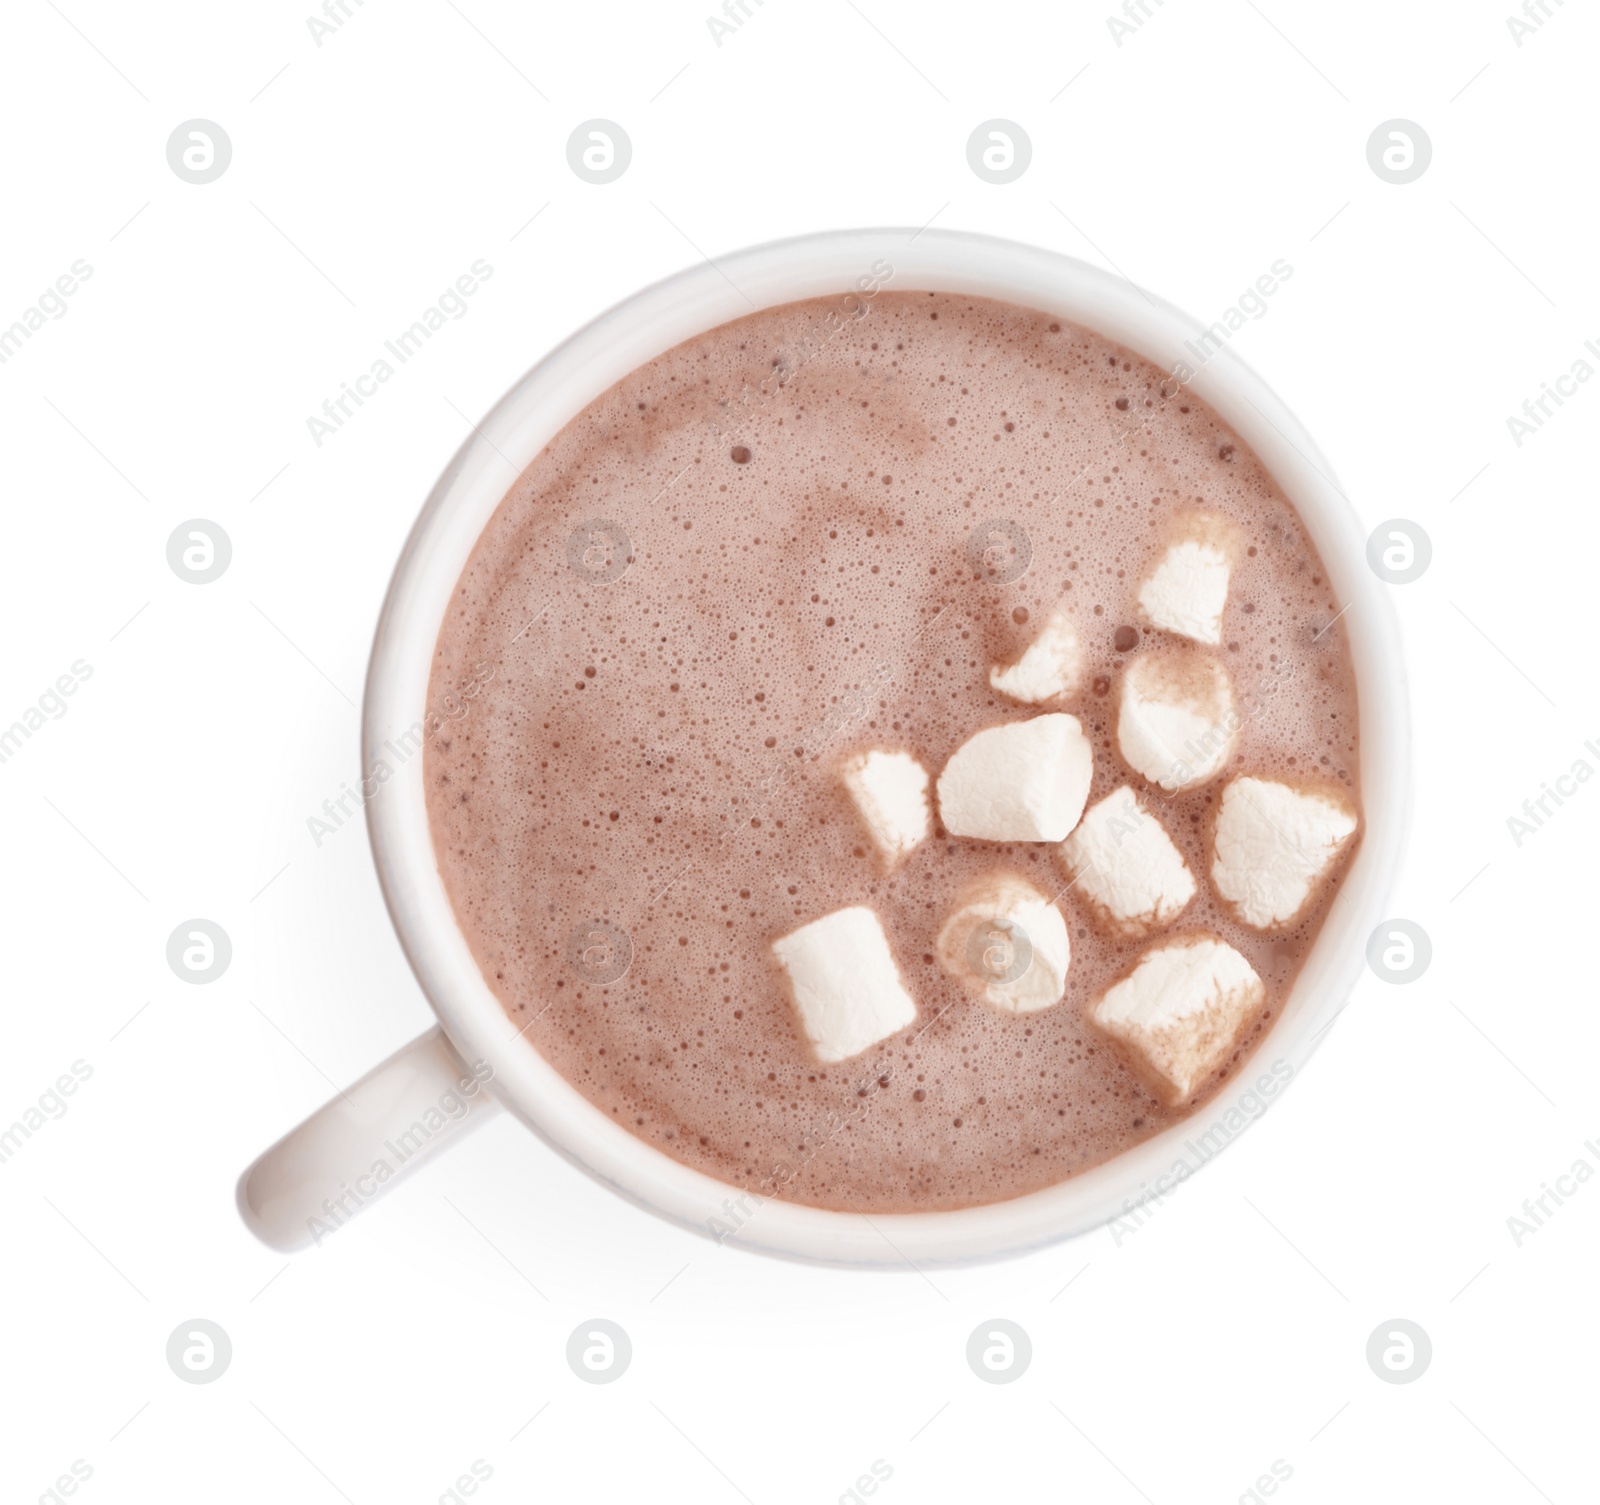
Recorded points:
(560, 385)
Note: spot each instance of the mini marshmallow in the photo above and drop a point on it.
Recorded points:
(1050, 666)
(1187, 589)
(1022, 781)
(1274, 845)
(890, 791)
(1007, 944)
(1177, 723)
(847, 989)
(1180, 1011)
(1123, 862)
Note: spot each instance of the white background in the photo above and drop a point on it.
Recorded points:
(1174, 1365)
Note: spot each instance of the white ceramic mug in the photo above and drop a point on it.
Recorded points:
(361, 1143)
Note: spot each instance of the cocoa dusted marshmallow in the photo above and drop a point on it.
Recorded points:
(1180, 1012)
(846, 987)
(1006, 943)
(1124, 864)
(1177, 723)
(1274, 845)
(1050, 666)
(1187, 588)
(890, 791)
(1021, 781)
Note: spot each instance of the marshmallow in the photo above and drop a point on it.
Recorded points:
(1274, 845)
(1180, 1011)
(1187, 589)
(1123, 862)
(1007, 943)
(847, 989)
(890, 790)
(1050, 666)
(1177, 723)
(1022, 781)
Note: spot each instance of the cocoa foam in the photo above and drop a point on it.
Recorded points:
(756, 555)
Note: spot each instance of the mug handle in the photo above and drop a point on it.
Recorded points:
(359, 1145)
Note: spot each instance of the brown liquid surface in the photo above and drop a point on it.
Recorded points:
(656, 755)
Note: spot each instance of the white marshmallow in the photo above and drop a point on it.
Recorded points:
(1123, 862)
(847, 989)
(1180, 1012)
(1187, 589)
(1177, 723)
(1274, 845)
(1007, 944)
(1050, 666)
(890, 790)
(1022, 781)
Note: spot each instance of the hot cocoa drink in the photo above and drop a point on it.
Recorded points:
(898, 759)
